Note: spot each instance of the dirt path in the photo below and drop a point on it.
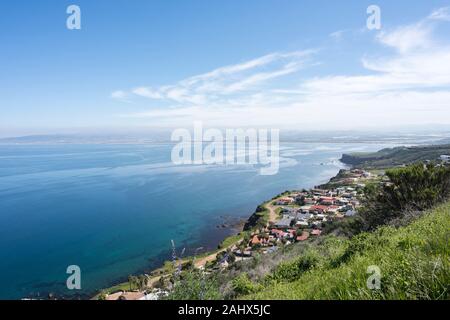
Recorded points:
(273, 215)
(203, 261)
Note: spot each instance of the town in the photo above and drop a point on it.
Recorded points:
(298, 215)
(294, 216)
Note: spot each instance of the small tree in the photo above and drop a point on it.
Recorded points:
(413, 188)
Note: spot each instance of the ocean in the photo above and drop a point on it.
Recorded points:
(113, 209)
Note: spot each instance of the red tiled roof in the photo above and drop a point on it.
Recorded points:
(319, 207)
(255, 240)
(303, 237)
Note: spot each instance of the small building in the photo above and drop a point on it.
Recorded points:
(285, 222)
(255, 240)
(445, 158)
(327, 201)
(284, 201)
(318, 209)
(303, 237)
(302, 224)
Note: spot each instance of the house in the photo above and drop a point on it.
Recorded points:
(285, 222)
(445, 158)
(279, 234)
(327, 201)
(304, 216)
(303, 237)
(333, 209)
(245, 253)
(302, 224)
(291, 212)
(318, 209)
(342, 201)
(255, 241)
(285, 201)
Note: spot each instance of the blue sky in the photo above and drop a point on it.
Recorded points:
(284, 64)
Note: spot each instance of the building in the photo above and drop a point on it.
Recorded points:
(285, 222)
(303, 237)
(285, 201)
(445, 158)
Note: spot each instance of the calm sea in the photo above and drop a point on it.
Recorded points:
(114, 209)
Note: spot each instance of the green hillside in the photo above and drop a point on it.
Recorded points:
(414, 262)
(391, 157)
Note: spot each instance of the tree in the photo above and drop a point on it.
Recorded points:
(413, 188)
(132, 280)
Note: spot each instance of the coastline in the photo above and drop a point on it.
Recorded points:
(238, 231)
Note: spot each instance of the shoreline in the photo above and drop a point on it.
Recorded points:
(239, 229)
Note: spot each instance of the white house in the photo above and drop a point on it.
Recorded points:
(445, 158)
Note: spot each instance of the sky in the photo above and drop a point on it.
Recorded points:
(145, 64)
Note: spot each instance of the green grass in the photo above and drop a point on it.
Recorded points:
(232, 240)
(392, 157)
(414, 263)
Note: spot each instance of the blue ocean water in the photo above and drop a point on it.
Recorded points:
(113, 209)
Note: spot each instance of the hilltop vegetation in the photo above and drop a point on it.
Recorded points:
(391, 157)
(413, 261)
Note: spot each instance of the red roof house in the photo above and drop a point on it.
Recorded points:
(303, 237)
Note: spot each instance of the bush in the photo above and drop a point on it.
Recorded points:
(290, 271)
(411, 189)
(195, 285)
(243, 285)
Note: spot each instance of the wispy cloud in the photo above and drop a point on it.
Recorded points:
(224, 82)
(442, 14)
(119, 94)
(337, 35)
(409, 86)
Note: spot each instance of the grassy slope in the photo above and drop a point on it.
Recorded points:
(414, 263)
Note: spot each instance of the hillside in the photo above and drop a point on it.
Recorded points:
(391, 157)
(413, 260)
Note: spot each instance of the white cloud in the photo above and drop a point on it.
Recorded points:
(147, 92)
(411, 86)
(407, 38)
(440, 14)
(337, 35)
(223, 82)
(119, 94)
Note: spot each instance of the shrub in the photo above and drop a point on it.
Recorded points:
(410, 189)
(290, 271)
(243, 285)
(195, 285)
